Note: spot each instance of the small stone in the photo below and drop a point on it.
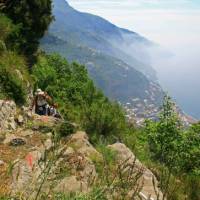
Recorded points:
(49, 135)
(48, 144)
(29, 114)
(12, 125)
(35, 128)
(2, 162)
(20, 119)
(68, 151)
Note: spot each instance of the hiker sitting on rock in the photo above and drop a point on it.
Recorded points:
(41, 102)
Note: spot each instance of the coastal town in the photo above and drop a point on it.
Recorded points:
(138, 110)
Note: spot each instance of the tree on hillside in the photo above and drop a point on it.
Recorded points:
(190, 150)
(33, 18)
(165, 135)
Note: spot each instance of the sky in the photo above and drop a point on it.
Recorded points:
(175, 25)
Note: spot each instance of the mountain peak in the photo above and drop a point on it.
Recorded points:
(62, 4)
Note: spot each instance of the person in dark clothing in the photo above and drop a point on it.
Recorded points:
(41, 102)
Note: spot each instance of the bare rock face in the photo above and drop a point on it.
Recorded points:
(71, 184)
(72, 168)
(125, 155)
(7, 115)
(77, 158)
(73, 158)
(47, 120)
(25, 173)
(80, 142)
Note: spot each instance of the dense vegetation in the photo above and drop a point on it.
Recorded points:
(79, 100)
(169, 149)
(22, 24)
(177, 150)
(32, 18)
(14, 76)
(171, 144)
(69, 85)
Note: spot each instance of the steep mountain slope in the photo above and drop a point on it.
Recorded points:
(108, 52)
(95, 32)
(116, 78)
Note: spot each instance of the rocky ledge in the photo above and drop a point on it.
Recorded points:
(34, 162)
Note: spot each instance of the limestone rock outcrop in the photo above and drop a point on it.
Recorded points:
(126, 156)
(72, 159)
(68, 166)
(77, 155)
(7, 115)
(25, 173)
(80, 142)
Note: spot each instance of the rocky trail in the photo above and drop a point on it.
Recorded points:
(33, 162)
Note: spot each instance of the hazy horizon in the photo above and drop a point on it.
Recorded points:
(172, 24)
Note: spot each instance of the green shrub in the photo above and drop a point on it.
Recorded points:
(5, 198)
(190, 150)
(6, 27)
(192, 187)
(2, 46)
(165, 136)
(177, 149)
(14, 78)
(104, 118)
(65, 129)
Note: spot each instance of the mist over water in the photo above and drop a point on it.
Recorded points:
(180, 76)
(174, 25)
